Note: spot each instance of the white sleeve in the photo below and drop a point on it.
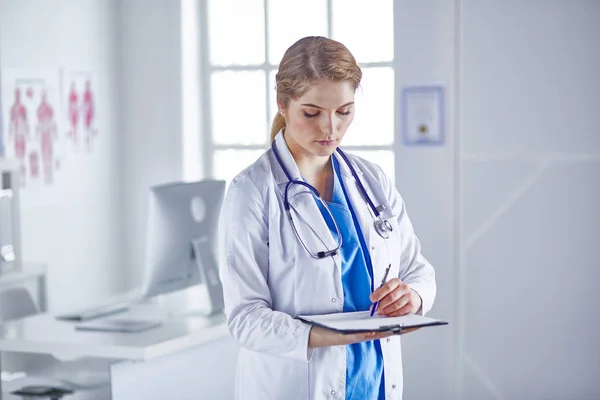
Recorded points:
(415, 270)
(244, 271)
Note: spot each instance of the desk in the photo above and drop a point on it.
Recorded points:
(175, 353)
(92, 394)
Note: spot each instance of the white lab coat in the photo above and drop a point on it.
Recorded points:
(268, 278)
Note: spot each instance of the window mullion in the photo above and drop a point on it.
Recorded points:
(329, 18)
(233, 146)
(267, 72)
(207, 69)
(205, 92)
(351, 147)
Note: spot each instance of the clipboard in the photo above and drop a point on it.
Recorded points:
(362, 322)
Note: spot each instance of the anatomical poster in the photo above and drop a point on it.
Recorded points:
(79, 110)
(31, 128)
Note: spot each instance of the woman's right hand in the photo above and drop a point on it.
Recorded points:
(321, 337)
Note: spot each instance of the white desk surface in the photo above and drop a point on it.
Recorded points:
(29, 271)
(43, 333)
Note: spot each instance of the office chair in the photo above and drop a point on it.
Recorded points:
(17, 303)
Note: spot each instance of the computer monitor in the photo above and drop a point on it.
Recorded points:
(181, 239)
(10, 233)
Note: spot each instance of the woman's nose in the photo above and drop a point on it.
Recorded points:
(329, 125)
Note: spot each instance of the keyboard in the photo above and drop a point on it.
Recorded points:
(85, 379)
(95, 312)
(119, 325)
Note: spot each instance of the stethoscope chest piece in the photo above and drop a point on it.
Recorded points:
(383, 227)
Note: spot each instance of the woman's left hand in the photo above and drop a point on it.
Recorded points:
(396, 299)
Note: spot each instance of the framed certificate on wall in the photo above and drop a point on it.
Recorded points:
(423, 115)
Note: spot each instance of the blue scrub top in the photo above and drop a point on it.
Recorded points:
(364, 361)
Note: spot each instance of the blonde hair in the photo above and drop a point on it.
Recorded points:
(308, 61)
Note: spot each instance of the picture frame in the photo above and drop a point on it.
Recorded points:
(422, 115)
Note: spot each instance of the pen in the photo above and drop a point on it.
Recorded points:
(387, 270)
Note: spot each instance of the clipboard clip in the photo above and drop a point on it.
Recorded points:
(395, 329)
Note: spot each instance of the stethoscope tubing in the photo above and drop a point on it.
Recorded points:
(383, 227)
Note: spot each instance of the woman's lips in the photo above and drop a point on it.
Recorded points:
(325, 142)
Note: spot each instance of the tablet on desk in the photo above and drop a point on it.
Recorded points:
(118, 325)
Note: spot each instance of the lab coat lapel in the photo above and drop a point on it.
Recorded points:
(309, 221)
(359, 205)
(376, 246)
(307, 216)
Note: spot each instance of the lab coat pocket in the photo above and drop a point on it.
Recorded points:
(281, 281)
(316, 289)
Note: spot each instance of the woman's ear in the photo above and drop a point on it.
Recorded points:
(281, 108)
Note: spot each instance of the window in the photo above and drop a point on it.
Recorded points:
(242, 42)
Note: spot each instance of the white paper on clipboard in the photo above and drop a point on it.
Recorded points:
(361, 321)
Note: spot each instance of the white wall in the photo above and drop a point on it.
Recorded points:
(150, 60)
(96, 236)
(507, 210)
(424, 54)
(80, 237)
(530, 161)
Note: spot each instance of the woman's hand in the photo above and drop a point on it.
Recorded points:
(396, 299)
(321, 337)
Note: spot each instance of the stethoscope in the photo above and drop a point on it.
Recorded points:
(382, 226)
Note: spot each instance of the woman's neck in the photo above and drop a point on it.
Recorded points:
(310, 166)
(317, 171)
(314, 167)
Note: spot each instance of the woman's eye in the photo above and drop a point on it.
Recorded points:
(308, 115)
(344, 112)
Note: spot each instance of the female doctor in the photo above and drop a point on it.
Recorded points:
(309, 229)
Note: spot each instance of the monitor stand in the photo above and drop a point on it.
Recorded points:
(209, 274)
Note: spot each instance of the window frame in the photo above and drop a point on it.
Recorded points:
(207, 146)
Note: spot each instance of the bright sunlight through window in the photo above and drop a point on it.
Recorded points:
(241, 43)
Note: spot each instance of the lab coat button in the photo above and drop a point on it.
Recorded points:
(373, 248)
(388, 340)
(333, 299)
(333, 392)
(394, 386)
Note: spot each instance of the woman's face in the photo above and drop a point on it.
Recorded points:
(317, 121)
